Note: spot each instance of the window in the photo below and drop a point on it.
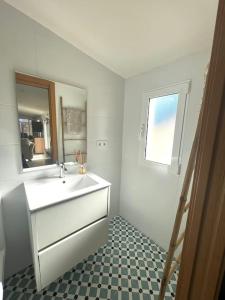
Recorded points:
(162, 124)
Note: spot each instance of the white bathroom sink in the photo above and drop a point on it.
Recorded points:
(48, 191)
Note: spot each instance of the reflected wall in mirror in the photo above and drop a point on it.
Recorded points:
(72, 122)
(52, 121)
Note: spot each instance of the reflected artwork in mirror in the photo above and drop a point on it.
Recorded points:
(52, 122)
(72, 105)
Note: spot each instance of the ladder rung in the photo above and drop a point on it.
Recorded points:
(172, 270)
(186, 207)
(174, 266)
(178, 259)
(183, 198)
(180, 239)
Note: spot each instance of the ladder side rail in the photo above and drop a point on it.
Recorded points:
(181, 209)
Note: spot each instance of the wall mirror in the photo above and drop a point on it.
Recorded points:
(52, 122)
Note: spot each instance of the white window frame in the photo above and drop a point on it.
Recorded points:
(183, 89)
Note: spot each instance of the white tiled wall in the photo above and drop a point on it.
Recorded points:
(149, 195)
(27, 47)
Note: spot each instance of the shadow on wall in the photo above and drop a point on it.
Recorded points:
(17, 241)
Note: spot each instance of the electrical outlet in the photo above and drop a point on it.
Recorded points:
(102, 144)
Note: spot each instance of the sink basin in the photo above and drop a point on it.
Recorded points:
(51, 190)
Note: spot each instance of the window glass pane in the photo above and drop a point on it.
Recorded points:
(161, 128)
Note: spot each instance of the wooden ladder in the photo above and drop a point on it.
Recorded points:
(173, 262)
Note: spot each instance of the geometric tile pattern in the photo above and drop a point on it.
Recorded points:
(129, 266)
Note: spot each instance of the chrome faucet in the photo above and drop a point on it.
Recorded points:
(62, 170)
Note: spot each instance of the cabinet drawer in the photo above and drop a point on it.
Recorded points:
(58, 221)
(57, 259)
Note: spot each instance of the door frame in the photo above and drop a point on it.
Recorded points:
(203, 257)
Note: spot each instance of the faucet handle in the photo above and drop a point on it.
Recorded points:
(64, 167)
(61, 164)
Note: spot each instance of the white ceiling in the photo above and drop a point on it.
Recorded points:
(128, 36)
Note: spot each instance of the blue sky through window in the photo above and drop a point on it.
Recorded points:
(165, 108)
(161, 128)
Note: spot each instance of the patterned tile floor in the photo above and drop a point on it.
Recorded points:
(128, 267)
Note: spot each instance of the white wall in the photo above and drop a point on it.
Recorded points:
(2, 243)
(28, 47)
(149, 196)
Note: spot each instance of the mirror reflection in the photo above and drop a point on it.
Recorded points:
(52, 122)
(34, 125)
(71, 123)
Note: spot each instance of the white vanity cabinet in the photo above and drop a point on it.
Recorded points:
(57, 221)
(64, 233)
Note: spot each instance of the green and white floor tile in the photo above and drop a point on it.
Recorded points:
(128, 267)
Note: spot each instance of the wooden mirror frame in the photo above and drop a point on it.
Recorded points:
(50, 86)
